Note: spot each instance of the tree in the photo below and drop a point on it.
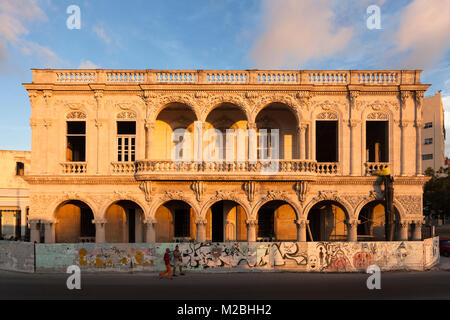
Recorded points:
(436, 197)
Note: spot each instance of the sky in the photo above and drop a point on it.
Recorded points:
(216, 34)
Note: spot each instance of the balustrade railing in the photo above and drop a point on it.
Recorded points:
(331, 168)
(263, 77)
(74, 167)
(123, 167)
(375, 166)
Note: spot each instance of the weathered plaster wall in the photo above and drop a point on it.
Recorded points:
(17, 256)
(235, 256)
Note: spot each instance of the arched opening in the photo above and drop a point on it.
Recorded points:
(277, 116)
(124, 223)
(276, 222)
(372, 226)
(175, 222)
(327, 222)
(169, 141)
(217, 145)
(74, 223)
(226, 222)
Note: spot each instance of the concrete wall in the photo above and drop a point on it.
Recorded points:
(17, 256)
(236, 256)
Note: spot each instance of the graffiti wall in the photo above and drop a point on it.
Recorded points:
(431, 252)
(236, 256)
(17, 256)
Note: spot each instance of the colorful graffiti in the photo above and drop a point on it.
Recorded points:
(295, 256)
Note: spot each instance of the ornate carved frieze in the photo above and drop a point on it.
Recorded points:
(377, 116)
(327, 116)
(76, 115)
(411, 203)
(126, 115)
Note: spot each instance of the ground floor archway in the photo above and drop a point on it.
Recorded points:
(276, 222)
(175, 222)
(226, 222)
(327, 222)
(372, 226)
(74, 223)
(124, 223)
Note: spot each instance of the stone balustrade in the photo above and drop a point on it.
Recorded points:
(262, 77)
(123, 167)
(74, 167)
(375, 166)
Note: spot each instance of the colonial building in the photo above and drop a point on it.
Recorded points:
(433, 133)
(14, 194)
(106, 162)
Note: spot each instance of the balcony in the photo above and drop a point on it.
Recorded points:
(74, 167)
(370, 167)
(286, 168)
(123, 168)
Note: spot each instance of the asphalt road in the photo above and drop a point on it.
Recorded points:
(251, 285)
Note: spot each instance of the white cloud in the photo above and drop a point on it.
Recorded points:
(86, 64)
(423, 32)
(15, 16)
(297, 31)
(100, 32)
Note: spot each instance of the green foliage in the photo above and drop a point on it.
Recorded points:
(436, 197)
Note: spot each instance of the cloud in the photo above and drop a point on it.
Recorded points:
(100, 32)
(15, 16)
(296, 32)
(88, 65)
(423, 32)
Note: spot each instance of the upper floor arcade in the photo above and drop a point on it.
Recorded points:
(235, 124)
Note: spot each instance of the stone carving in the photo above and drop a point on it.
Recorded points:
(76, 115)
(126, 115)
(328, 195)
(404, 95)
(302, 188)
(327, 116)
(146, 187)
(276, 195)
(411, 203)
(199, 189)
(250, 188)
(377, 116)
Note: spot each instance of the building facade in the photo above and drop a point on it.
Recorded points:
(433, 133)
(106, 162)
(14, 194)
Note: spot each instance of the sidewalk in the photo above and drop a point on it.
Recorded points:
(444, 263)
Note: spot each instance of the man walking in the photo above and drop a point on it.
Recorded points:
(167, 263)
(177, 261)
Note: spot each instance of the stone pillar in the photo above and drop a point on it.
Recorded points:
(23, 222)
(150, 128)
(301, 230)
(35, 231)
(251, 230)
(150, 234)
(353, 164)
(302, 135)
(49, 236)
(417, 232)
(352, 226)
(252, 143)
(403, 234)
(418, 125)
(100, 235)
(201, 230)
(403, 126)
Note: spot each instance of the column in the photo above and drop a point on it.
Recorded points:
(100, 234)
(417, 232)
(352, 226)
(252, 142)
(418, 125)
(150, 130)
(35, 231)
(353, 164)
(49, 235)
(403, 126)
(201, 230)
(403, 234)
(302, 135)
(251, 230)
(301, 230)
(150, 234)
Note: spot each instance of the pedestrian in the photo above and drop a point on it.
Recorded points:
(167, 264)
(177, 261)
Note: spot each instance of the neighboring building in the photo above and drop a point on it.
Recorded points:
(14, 193)
(433, 133)
(103, 167)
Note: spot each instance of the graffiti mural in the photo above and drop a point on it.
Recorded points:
(228, 256)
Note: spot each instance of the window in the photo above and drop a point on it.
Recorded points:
(377, 141)
(327, 141)
(428, 125)
(429, 141)
(265, 143)
(427, 156)
(126, 141)
(76, 141)
(20, 168)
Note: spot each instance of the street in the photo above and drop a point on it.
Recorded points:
(433, 284)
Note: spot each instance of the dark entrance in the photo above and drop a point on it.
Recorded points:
(266, 222)
(327, 141)
(377, 141)
(217, 222)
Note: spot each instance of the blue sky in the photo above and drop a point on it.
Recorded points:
(216, 34)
